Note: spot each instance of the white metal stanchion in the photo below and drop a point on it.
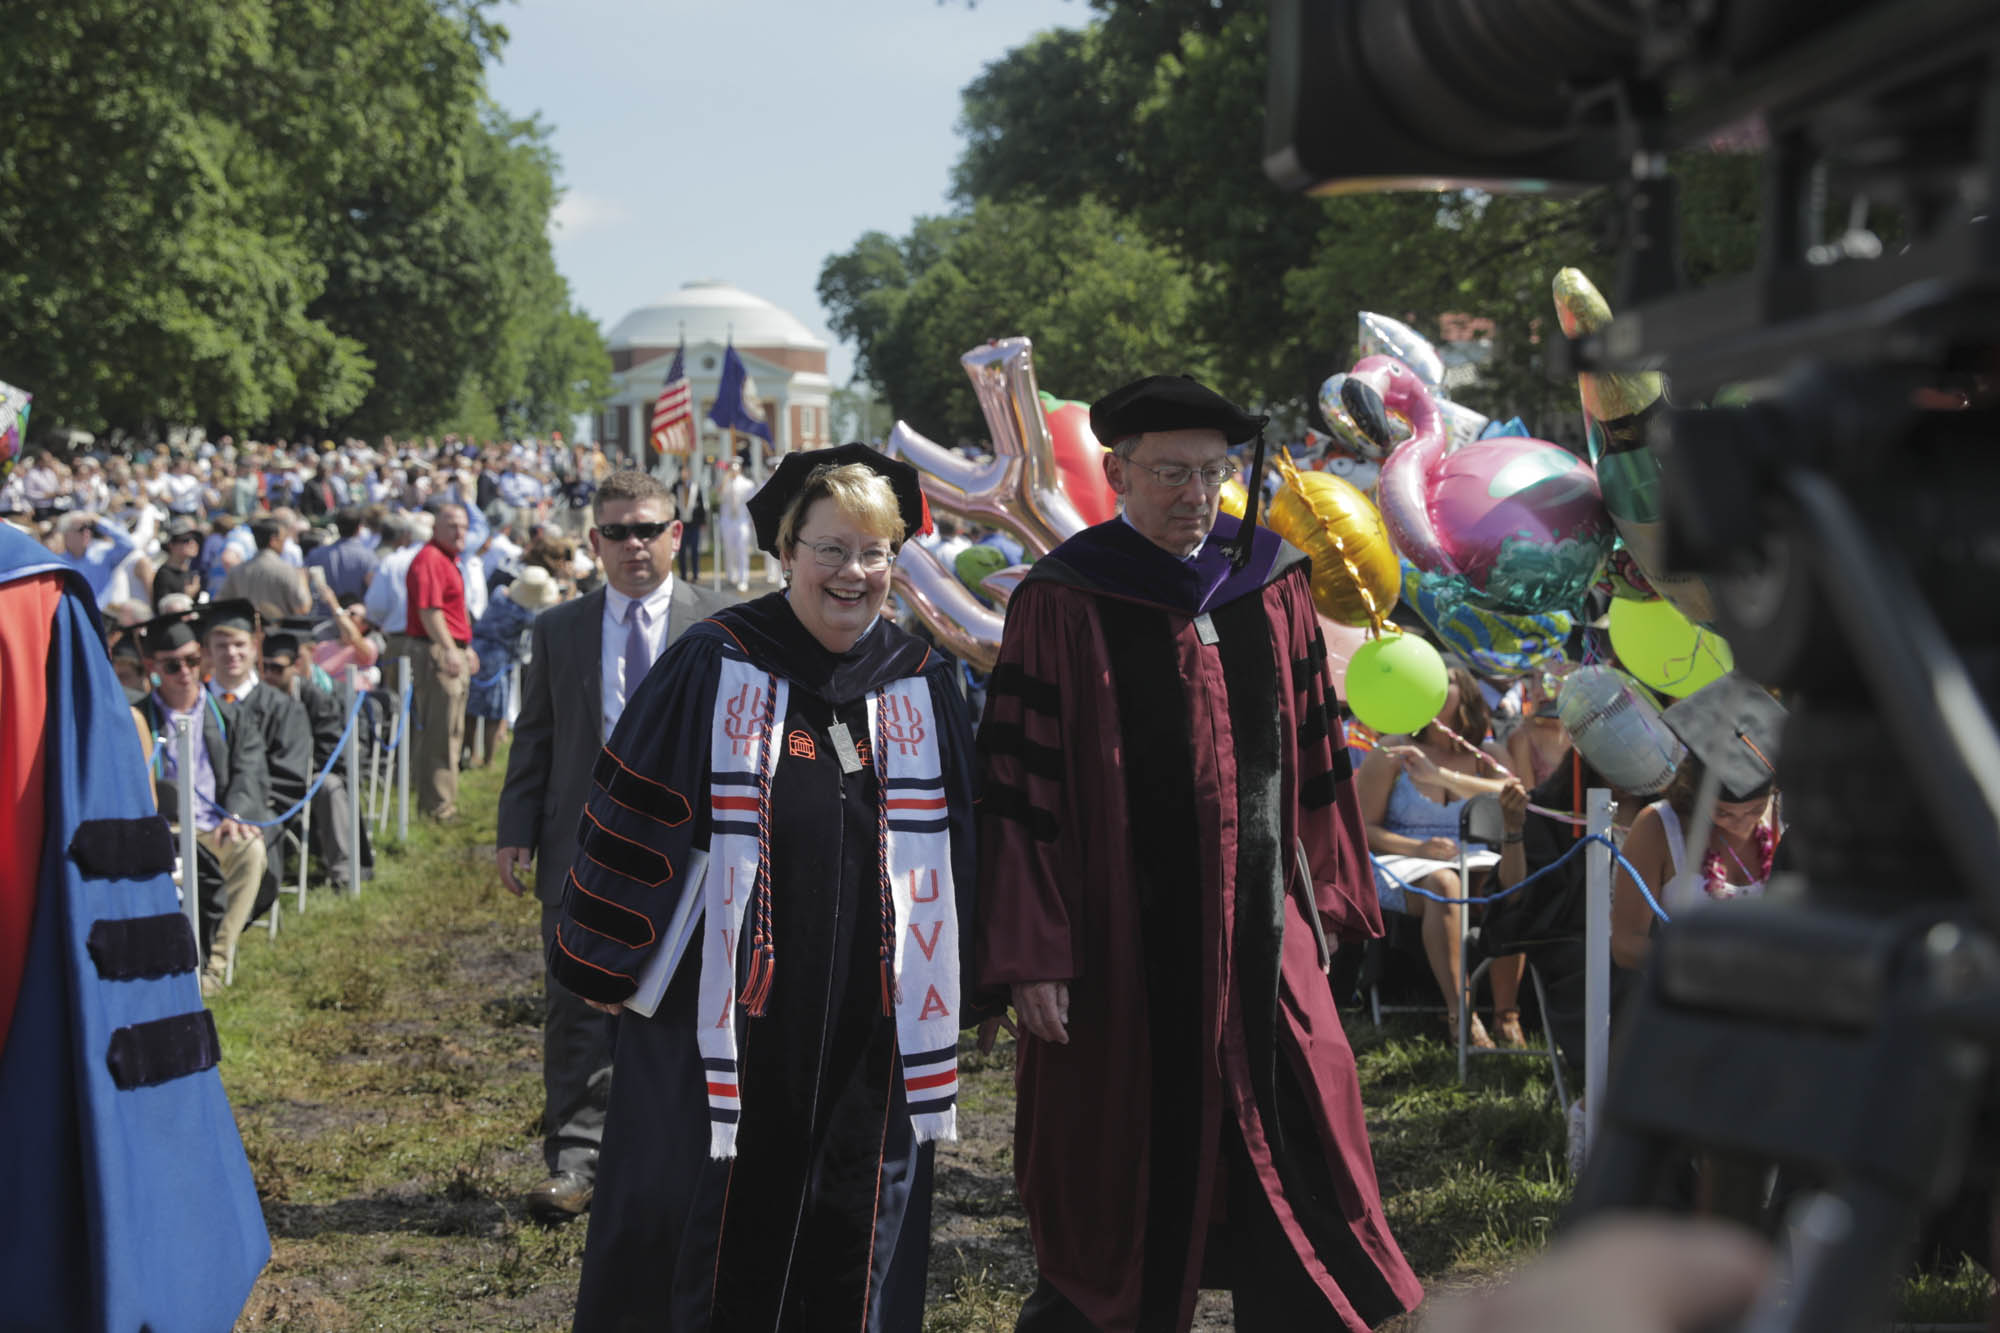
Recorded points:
(1596, 962)
(354, 783)
(184, 780)
(378, 802)
(403, 739)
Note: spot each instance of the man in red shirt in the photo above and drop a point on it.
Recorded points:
(444, 671)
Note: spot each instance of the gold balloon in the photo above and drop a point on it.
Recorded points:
(1355, 576)
(1235, 500)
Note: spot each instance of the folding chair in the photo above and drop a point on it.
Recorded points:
(1480, 820)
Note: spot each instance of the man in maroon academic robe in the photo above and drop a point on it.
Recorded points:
(1170, 849)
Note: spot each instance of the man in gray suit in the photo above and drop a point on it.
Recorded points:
(589, 655)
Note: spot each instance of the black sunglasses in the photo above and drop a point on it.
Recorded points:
(618, 532)
(173, 666)
(276, 666)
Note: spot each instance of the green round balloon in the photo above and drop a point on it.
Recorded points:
(1666, 650)
(1396, 684)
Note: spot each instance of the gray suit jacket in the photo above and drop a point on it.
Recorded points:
(559, 732)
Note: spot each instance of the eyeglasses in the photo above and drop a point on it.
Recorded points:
(173, 666)
(277, 667)
(1176, 475)
(833, 555)
(618, 532)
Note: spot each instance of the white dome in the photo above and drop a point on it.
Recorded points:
(711, 312)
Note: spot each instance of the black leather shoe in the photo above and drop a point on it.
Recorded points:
(564, 1195)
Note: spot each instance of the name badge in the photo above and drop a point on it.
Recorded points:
(843, 745)
(1204, 629)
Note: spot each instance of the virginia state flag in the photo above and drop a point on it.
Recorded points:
(736, 404)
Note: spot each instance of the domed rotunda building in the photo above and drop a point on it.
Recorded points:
(786, 363)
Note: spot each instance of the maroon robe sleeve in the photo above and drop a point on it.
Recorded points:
(1329, 809)
(1029, 920)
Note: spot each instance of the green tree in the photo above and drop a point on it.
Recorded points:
(296, 215)
(1103, 302)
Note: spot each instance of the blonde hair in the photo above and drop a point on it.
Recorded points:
(857, 490)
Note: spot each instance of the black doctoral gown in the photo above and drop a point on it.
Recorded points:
(822, 1219)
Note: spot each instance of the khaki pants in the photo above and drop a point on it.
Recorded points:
(437, 708)
(242, 872)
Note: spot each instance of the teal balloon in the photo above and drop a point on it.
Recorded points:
(1493, 643)
(1396, 684)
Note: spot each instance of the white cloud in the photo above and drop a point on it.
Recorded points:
(579, 213)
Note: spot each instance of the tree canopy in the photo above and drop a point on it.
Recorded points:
(296, 216)
(1149, 122)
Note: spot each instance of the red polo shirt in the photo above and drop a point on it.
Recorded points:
(434, 581)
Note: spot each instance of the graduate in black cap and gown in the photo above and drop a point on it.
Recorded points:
(774, 862)
(229, 781)
(286, 665)
(232, 635)
(1170, 847)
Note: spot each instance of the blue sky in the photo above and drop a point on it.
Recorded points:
(746, 140)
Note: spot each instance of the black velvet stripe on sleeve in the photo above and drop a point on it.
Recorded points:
(1006, 738)
(164, 1049)
(639, 794)
(1306, 669)
(1009, 802)
(1312, 724)
(621, 855)
(1317, 793)
(142, 948)
(1011, 678)
(604, 917)
(123, 848)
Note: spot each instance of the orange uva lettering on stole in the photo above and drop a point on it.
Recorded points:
(917, 897)
(934, 1005)
(928, 946)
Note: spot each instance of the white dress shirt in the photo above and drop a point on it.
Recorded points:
(614, 689)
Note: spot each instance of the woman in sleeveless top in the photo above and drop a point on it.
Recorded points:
(1735, 864)
(1411, 792)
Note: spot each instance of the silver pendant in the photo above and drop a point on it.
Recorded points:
(843, 745)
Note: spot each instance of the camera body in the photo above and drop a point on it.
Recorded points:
(1847, 520)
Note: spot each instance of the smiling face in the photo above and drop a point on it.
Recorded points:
(1175, 518)
(837, 604)
(232, 653)
(634, 566)
(179, 673)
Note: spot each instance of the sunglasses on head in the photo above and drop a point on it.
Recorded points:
(618, 532)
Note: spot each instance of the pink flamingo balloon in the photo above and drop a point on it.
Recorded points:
(1511, 524)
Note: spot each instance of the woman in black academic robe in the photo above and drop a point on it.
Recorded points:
(821, 1219)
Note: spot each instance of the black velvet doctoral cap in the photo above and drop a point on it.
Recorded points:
(238, 613)
(163, 634)
(1169, 402)
(1733, 726)
(767, 507)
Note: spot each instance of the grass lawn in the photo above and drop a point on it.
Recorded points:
(383, 1057)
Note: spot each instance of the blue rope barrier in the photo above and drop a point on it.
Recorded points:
(1581, 843)
(311, 791)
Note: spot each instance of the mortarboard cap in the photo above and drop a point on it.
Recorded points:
(1732, 726)
(282, 641)
(767, 507)
(163, 634)
(1169, 402)
(239, 613)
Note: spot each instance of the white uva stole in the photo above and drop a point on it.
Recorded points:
(914, 825)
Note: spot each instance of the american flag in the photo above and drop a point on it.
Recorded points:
(673, 411)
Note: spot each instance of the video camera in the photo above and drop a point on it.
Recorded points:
(1842, 1029)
